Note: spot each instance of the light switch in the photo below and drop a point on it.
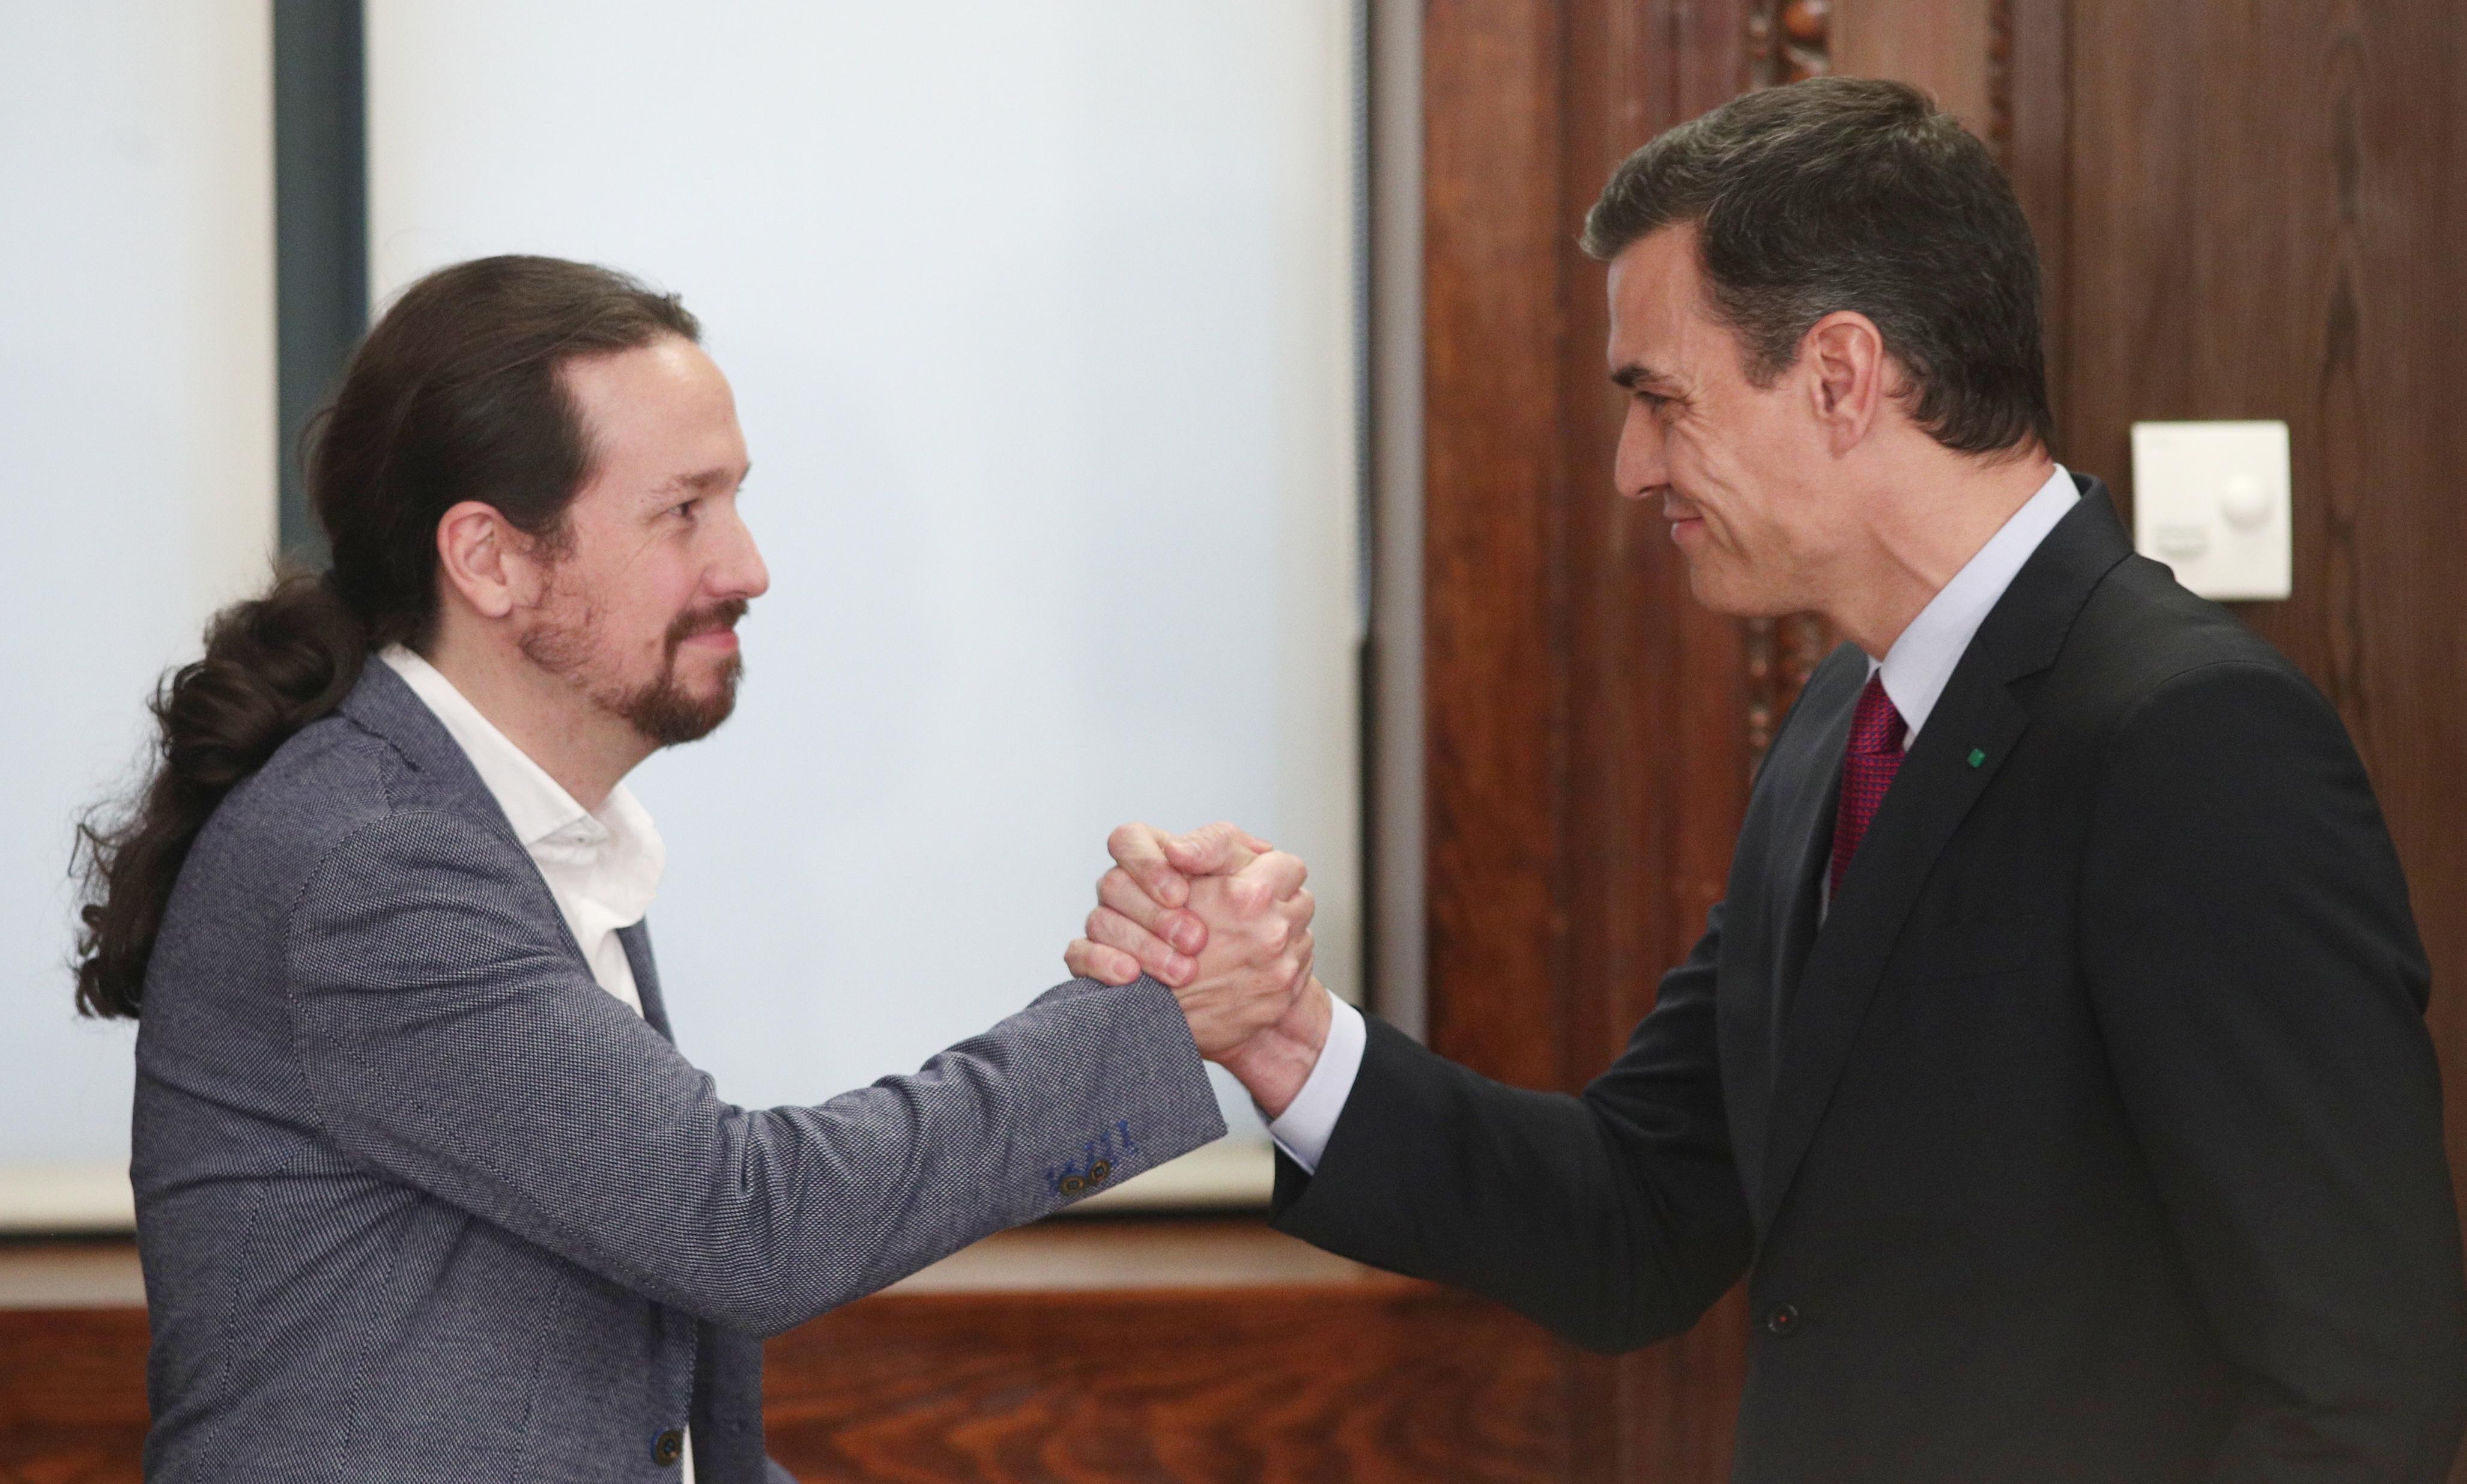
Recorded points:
(2210, 500)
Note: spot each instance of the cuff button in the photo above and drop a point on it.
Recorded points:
(1073, 1185)
(1098, 1172)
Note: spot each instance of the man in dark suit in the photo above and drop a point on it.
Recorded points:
(2055, 1069)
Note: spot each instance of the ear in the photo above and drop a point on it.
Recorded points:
(1848, 376)
(487, 562)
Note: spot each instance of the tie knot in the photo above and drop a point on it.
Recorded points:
(1876, 727)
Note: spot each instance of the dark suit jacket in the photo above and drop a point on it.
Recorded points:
(2093, 1136)
(418, 1200)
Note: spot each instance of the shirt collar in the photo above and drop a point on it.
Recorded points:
(1922, 660)
(620, 838)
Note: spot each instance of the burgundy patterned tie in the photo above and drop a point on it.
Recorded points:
(1867, 769)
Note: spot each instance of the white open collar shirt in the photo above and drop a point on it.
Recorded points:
(1914, 671)
(602, 866)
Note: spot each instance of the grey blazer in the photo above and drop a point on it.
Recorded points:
(416, 1199)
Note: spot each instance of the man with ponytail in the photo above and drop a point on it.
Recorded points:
(424, 1191)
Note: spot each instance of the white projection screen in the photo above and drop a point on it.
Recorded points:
(137, 436)
(1041, 323)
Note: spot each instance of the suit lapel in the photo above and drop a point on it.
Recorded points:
(1799, 867)
(1771, 913)
(1974, 728)
(647, 975)
(384, 704)
(1930, 796)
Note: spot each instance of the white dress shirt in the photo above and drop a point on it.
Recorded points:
(1915, 670)
(601, 866)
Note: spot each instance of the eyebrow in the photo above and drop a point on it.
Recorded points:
(705, 481)
(1634, 374)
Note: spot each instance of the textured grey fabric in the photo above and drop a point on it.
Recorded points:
(419, 1201)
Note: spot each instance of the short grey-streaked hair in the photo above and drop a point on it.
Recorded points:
(1855, 194)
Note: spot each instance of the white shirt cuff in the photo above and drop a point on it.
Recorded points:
(1302, 1130)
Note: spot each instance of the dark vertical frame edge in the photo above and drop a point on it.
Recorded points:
(320, 234)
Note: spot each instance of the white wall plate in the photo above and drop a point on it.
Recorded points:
(2212, 500)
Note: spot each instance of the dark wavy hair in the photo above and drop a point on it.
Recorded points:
(1855, 194)
(454, 395)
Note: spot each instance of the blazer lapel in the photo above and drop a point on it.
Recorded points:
(647, 975)
(384, 704)
(1972, 729)
(1771, 912)
(1798, 867)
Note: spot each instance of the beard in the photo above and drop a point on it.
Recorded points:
(661, 709)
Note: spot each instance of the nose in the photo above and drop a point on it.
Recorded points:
(1642, 468)
(739, 572)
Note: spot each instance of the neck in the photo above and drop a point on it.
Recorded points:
(555, 723)
(1925, 524)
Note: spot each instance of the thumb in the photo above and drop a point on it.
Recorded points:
(1210, 849)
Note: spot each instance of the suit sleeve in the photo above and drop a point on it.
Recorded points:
(1614, 1218)
(2256, 974)
(449, 1049)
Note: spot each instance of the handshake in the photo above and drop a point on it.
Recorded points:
(1222, 920)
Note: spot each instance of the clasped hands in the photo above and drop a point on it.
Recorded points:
(1222, 920)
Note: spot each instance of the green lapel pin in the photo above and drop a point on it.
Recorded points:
(1977, 757)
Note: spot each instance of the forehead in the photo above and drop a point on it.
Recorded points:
(659, 404)
(1658, 314)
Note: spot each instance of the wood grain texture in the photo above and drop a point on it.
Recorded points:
(1585, 716)
(1939, 45)
(72, 1395)
(1493, 222)
(1396, 1381)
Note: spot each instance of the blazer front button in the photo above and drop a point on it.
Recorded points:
(1783, 1320)
(667, 1447)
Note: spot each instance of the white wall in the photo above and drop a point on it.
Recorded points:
(137, 448)
(1040, 322)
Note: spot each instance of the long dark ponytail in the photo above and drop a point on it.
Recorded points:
(454, 395)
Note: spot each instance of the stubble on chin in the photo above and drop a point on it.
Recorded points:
(662, 710)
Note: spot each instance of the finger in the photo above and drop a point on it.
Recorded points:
(1301, 906)
(1141, 849)
(1088, 960)
(1272, 878)
(1176, 925)
(1154, 954)
(1210, 850)
(1256, 844)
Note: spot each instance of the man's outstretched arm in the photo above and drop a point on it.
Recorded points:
(1613, 1216)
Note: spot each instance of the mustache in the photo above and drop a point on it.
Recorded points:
(703, 621)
